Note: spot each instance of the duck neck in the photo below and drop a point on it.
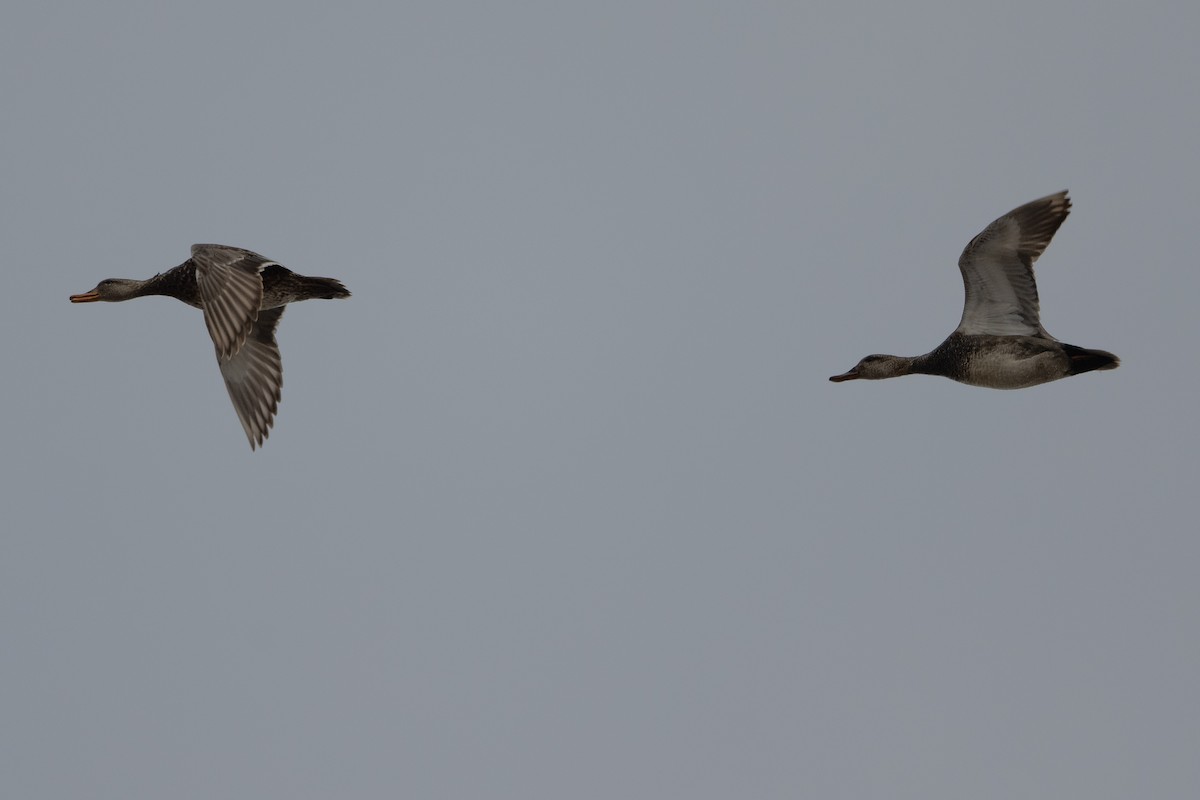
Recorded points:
(179, 283)
(921, 365)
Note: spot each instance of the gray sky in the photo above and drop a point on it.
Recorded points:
(561, 504)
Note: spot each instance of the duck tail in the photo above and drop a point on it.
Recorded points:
(1085, 360)
(322, 288)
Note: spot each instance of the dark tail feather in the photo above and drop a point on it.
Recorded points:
(323, 288)
(1084, 360)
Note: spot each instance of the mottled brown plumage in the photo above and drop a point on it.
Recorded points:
(242, 295)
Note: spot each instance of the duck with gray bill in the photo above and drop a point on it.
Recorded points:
(1000, 342)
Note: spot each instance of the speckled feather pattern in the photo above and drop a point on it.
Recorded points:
(1000, 342)
(243, 296)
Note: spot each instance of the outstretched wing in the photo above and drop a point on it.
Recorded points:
(254, 377)
(997, 269)
(231, 293)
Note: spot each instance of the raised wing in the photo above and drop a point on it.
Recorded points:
(997, 269)
(254, 377)
(231, 293)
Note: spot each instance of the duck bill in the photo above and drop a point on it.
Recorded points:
(86, 297)
(852, 375)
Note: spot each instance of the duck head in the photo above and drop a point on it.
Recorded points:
(112, 290)
(876, 367)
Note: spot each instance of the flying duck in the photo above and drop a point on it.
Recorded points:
(1000, 342)
(242, 295)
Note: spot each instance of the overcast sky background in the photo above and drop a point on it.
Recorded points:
(561, 504)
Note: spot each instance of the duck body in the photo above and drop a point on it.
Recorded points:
(1000, 342)
(243, 296)
(1008, 362)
